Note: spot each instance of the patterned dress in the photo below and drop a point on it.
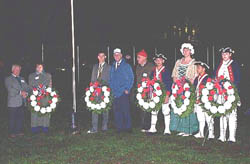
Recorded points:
(190, 124)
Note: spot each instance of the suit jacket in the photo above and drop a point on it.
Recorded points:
(105, 76)
(42, 78)
(14, 89)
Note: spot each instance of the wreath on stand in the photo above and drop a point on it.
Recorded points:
(219, 97)
(98, 97)
(183, 97)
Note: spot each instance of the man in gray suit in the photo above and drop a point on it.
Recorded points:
(101, 71)
(17, 92)
(38, 122)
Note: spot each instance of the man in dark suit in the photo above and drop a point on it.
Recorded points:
(17, 92)
(100, 72)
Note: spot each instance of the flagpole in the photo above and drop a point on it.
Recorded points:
(78, 69)
(73, 66)
(175, 54)
(134, 54)
(42, 53)
(213, 57)
(108, 53)
(207, 56)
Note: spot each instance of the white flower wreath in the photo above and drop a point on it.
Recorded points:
(219, 97)
(150, 95)
(182, 98)
(43, 100)
(98, 97)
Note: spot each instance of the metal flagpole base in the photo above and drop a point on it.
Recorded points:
(75, 132)
(74, 127)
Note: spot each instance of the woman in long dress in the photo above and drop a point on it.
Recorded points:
(184, 67)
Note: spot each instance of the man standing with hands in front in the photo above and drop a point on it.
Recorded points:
(100, 72)
(17, 93)
(121, 82)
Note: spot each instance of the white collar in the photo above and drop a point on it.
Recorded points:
(200, 78)
(142, 65)
(227, 63)
(159, 71)
(119, 62)
(102, 64)
(14, 75)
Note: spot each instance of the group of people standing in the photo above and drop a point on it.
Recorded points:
(121, 78)
(18, 91)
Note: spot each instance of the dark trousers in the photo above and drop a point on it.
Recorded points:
(121, 110)
(16, 118)
(145, 119)
(39, 129)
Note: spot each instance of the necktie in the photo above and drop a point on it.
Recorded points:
(99, 72)
(117, 65)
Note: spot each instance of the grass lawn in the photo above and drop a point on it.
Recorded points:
(60, 146)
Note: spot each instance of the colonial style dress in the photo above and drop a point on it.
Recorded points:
(144, 70)
(187, 125)
(186, 70)
(121, 79)
(164, 76)
(39, 122)
(231, 71)
(202, 116)
(100, 72)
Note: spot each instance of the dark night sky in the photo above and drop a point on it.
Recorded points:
(25, 24)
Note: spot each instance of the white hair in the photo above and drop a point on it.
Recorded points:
(188, 46)
(14, 66)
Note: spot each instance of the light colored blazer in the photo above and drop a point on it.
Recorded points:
(105, 76)
(14, 89)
